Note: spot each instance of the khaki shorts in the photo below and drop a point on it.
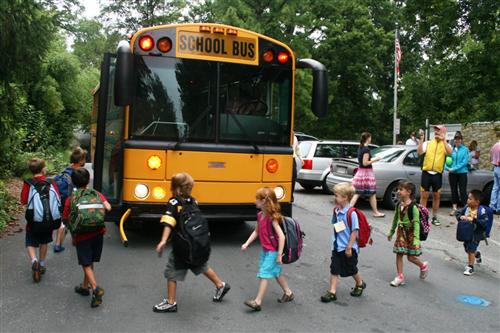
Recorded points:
(179, 274)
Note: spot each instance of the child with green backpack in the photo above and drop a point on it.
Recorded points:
(84, 214)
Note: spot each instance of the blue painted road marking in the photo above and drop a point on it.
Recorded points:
(473, 300)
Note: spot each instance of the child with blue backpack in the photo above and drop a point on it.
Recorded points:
(472, 233)
(65, 185)
(40, 223)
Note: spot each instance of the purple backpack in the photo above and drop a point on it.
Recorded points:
(425, 223)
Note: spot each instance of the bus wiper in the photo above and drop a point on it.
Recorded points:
(233, 115)
(183, 138)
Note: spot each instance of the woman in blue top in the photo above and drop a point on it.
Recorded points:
(457, 173)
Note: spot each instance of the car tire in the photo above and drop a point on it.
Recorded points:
(487, 194)
(391, 196)
(325, 187)
(308, 187)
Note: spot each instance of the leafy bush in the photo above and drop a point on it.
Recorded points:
(7, 206)
(55, 162)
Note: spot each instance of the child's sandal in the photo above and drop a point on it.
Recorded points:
(286, 298)
(358, 290)
(328, 297)
(253, 304)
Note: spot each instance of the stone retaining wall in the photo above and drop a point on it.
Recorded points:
(485, 133)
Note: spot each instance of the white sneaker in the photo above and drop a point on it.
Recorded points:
(164, 306)
(469, 270)
(424, 271)
(398, 281)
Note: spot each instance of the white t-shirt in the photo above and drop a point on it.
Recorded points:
(411, 142)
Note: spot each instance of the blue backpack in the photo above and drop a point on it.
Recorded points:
(65, 184)
(487, 229)
(43, 210)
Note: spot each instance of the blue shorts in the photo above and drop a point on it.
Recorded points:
(471, 246)
(268, 267)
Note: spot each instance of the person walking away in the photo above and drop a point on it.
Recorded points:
(344, 260)
(495, 160)
(435, 152)
(83, 214)
(364, 180)
(477, 215)
(457, 173)
(297, 163)
(412, 140)
(408, 233)
(181, 208)
(474, 153)
(36, 236)
(272, 241)
(65, 185)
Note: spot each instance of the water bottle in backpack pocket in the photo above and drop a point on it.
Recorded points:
(43, 210)
(86, 211)
(191, 239)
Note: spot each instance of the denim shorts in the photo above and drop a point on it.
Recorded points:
(268, 267)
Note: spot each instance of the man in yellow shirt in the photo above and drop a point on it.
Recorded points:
(435, 152)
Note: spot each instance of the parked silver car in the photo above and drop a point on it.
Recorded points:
(401, 163)
(317, 156)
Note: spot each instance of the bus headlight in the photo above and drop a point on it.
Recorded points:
(141, 191)
(280, 192)
(154, 162)
(159, 193)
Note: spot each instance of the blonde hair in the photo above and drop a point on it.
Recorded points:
(344, 189)
(271, 205)
(36, 165)
(181, 184)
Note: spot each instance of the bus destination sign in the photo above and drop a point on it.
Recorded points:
(192, 44)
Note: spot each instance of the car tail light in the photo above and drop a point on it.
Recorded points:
(308, 164)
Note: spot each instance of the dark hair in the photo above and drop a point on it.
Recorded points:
(78, 155)
(80, 177)
(364, 137)
(477, 195)
(409, 186)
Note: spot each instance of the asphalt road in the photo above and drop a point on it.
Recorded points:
(133, 280)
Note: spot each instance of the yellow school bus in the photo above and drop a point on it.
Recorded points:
(211, 100)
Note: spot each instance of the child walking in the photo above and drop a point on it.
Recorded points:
(345, 249)
(408, 233)
(268, 229)
(177, 267)
(478, 216)
(89, 242)
(36, 238)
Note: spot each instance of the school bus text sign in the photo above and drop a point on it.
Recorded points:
(195, 45)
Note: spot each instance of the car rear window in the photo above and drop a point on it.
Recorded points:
(304, 148)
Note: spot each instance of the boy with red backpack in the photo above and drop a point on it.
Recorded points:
(83, 214)
(345, 247)
(42, 214)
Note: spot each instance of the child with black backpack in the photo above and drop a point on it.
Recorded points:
(190, 243)
(345, 248)
(408, 233)
(42, 214)
(271, 256)
(65, 185)
(472, 223)
(83, 214)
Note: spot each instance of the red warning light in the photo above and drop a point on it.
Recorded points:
(146, 43)
(283, 57)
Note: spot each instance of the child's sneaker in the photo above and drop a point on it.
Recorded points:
(435, 221)
(399, 280)
(478, 257)
(96, 297)
(424, 271)
(328, 297)
(82, 291)
(35, 267)
(358, 290)
(164, 306)
(58, 248)
(469, 270)
(220, 292)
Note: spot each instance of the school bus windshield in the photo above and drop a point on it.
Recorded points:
(205, 101)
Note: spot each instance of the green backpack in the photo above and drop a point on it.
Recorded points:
(86, 211)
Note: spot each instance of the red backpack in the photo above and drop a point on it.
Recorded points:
(365, 229)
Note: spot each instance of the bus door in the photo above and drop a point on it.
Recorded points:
(108, 158)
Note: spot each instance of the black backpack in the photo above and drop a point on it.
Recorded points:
(293, 239)
(43, 209)
(191, 239)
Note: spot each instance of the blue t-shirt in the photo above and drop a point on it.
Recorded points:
(342, 238)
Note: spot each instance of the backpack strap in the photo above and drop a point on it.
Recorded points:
(349, 219)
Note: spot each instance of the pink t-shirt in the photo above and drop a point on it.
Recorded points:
(267, 235)
(495, 154)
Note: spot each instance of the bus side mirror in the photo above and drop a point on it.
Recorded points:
(124, 82)
(319, 102)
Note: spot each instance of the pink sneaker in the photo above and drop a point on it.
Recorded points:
(398, 281)
(424, 271)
